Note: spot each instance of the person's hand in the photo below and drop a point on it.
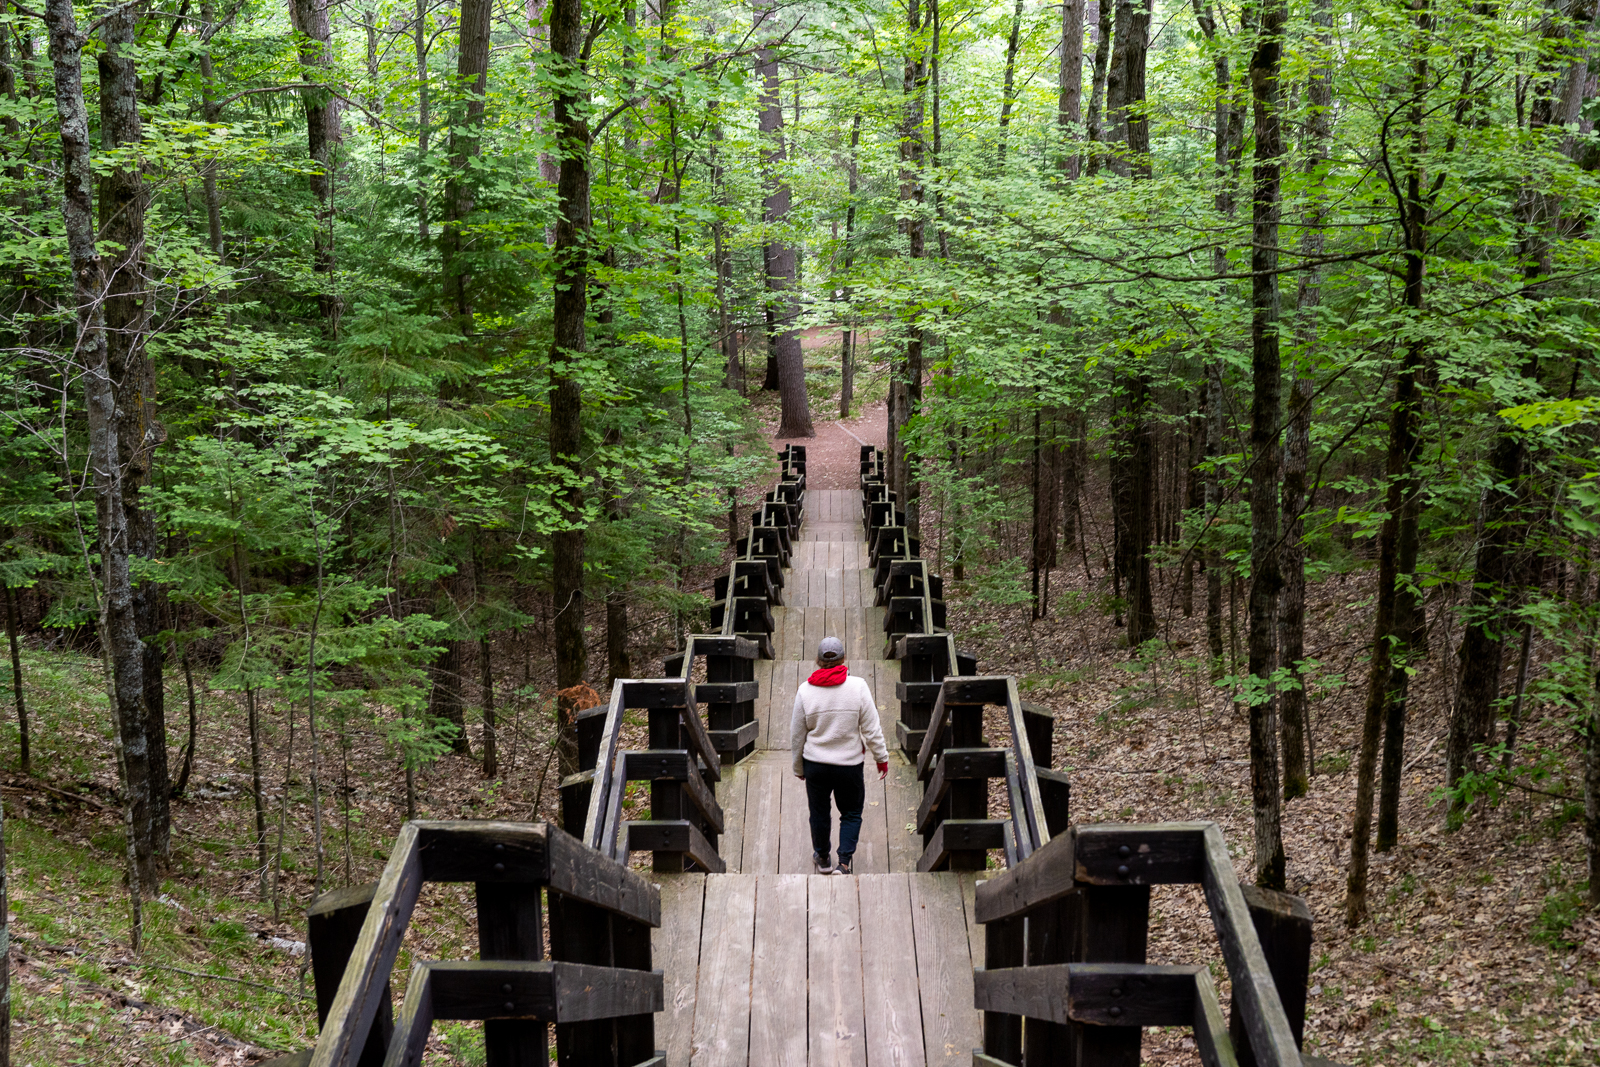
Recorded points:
(883, 771)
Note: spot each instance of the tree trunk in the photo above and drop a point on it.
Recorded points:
(119, 636)
(786, 359)
(420, 40)
(444, 696)
(491, 739)
(310, 18)
(727, 336)
(24, 760)
(1133, 490)
(5, 940)
(472, 74)
(1069, 97)
(1297, 445)
(566, 353)
(906, 379)
(1097, 83)
(182, 784)
(847, 343)
(1006, 93)
(122, 202)
(1500, 527)
(1265, 405)
(1390, 623)
(1134, 117)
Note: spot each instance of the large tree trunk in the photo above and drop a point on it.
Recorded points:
(786, 359)
(310, 17)
(472, 74)
(905, 383)
(1265, 405)
(119, 634)
(122, 203)
(566, 352)
(1069, 85)
(444, 697)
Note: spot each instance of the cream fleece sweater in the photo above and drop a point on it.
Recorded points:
(835, 724)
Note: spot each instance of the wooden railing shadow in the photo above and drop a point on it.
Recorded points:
(597, 987)
(1066, 924)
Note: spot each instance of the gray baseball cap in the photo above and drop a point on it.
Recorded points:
(830, 650)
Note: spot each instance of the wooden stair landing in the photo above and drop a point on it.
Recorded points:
(772, 966)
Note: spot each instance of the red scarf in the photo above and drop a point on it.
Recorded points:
(829, 675)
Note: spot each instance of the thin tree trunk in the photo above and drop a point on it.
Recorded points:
(1007, 92)
(1097, 83)
(727, 336)
(182, 784)
(1265, 409)
(1297, 445)
(1391, 621)
(491, 738)
(420, 39)
(566, 354)
(1514, 717)
(24, 759)
(847, 344)
(121, 648)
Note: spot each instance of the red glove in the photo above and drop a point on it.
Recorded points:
(883, 770)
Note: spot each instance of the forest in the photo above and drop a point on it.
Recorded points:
(383, 379)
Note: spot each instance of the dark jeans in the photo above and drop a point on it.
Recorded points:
(848, 788)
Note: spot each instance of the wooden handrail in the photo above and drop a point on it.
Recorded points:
(495, 856)
(1113, 857)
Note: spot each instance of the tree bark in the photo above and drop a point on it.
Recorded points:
(1069, 97)
(420, 42)
(906, 380)
(1097, 83)
(24, 759)
(310, 18)
(566, 353)
(472, 79)
(123, 200)
(785, 355)
(1133, 490)
(847, 343)
(119, 634)
(491, 738)
(1265, 405)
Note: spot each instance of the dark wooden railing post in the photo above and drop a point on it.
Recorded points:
(1114, 928)
(1004, 945)
(1053, 937)
(1284, 925)
(333, 923)
(509, 918)
(969, 797)
(666, 795)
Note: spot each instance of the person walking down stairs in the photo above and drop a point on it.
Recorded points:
(832, 727)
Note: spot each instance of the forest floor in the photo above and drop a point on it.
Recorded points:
(1477, 951)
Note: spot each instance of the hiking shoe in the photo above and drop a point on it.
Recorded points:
(844, 865)
(819, 862)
